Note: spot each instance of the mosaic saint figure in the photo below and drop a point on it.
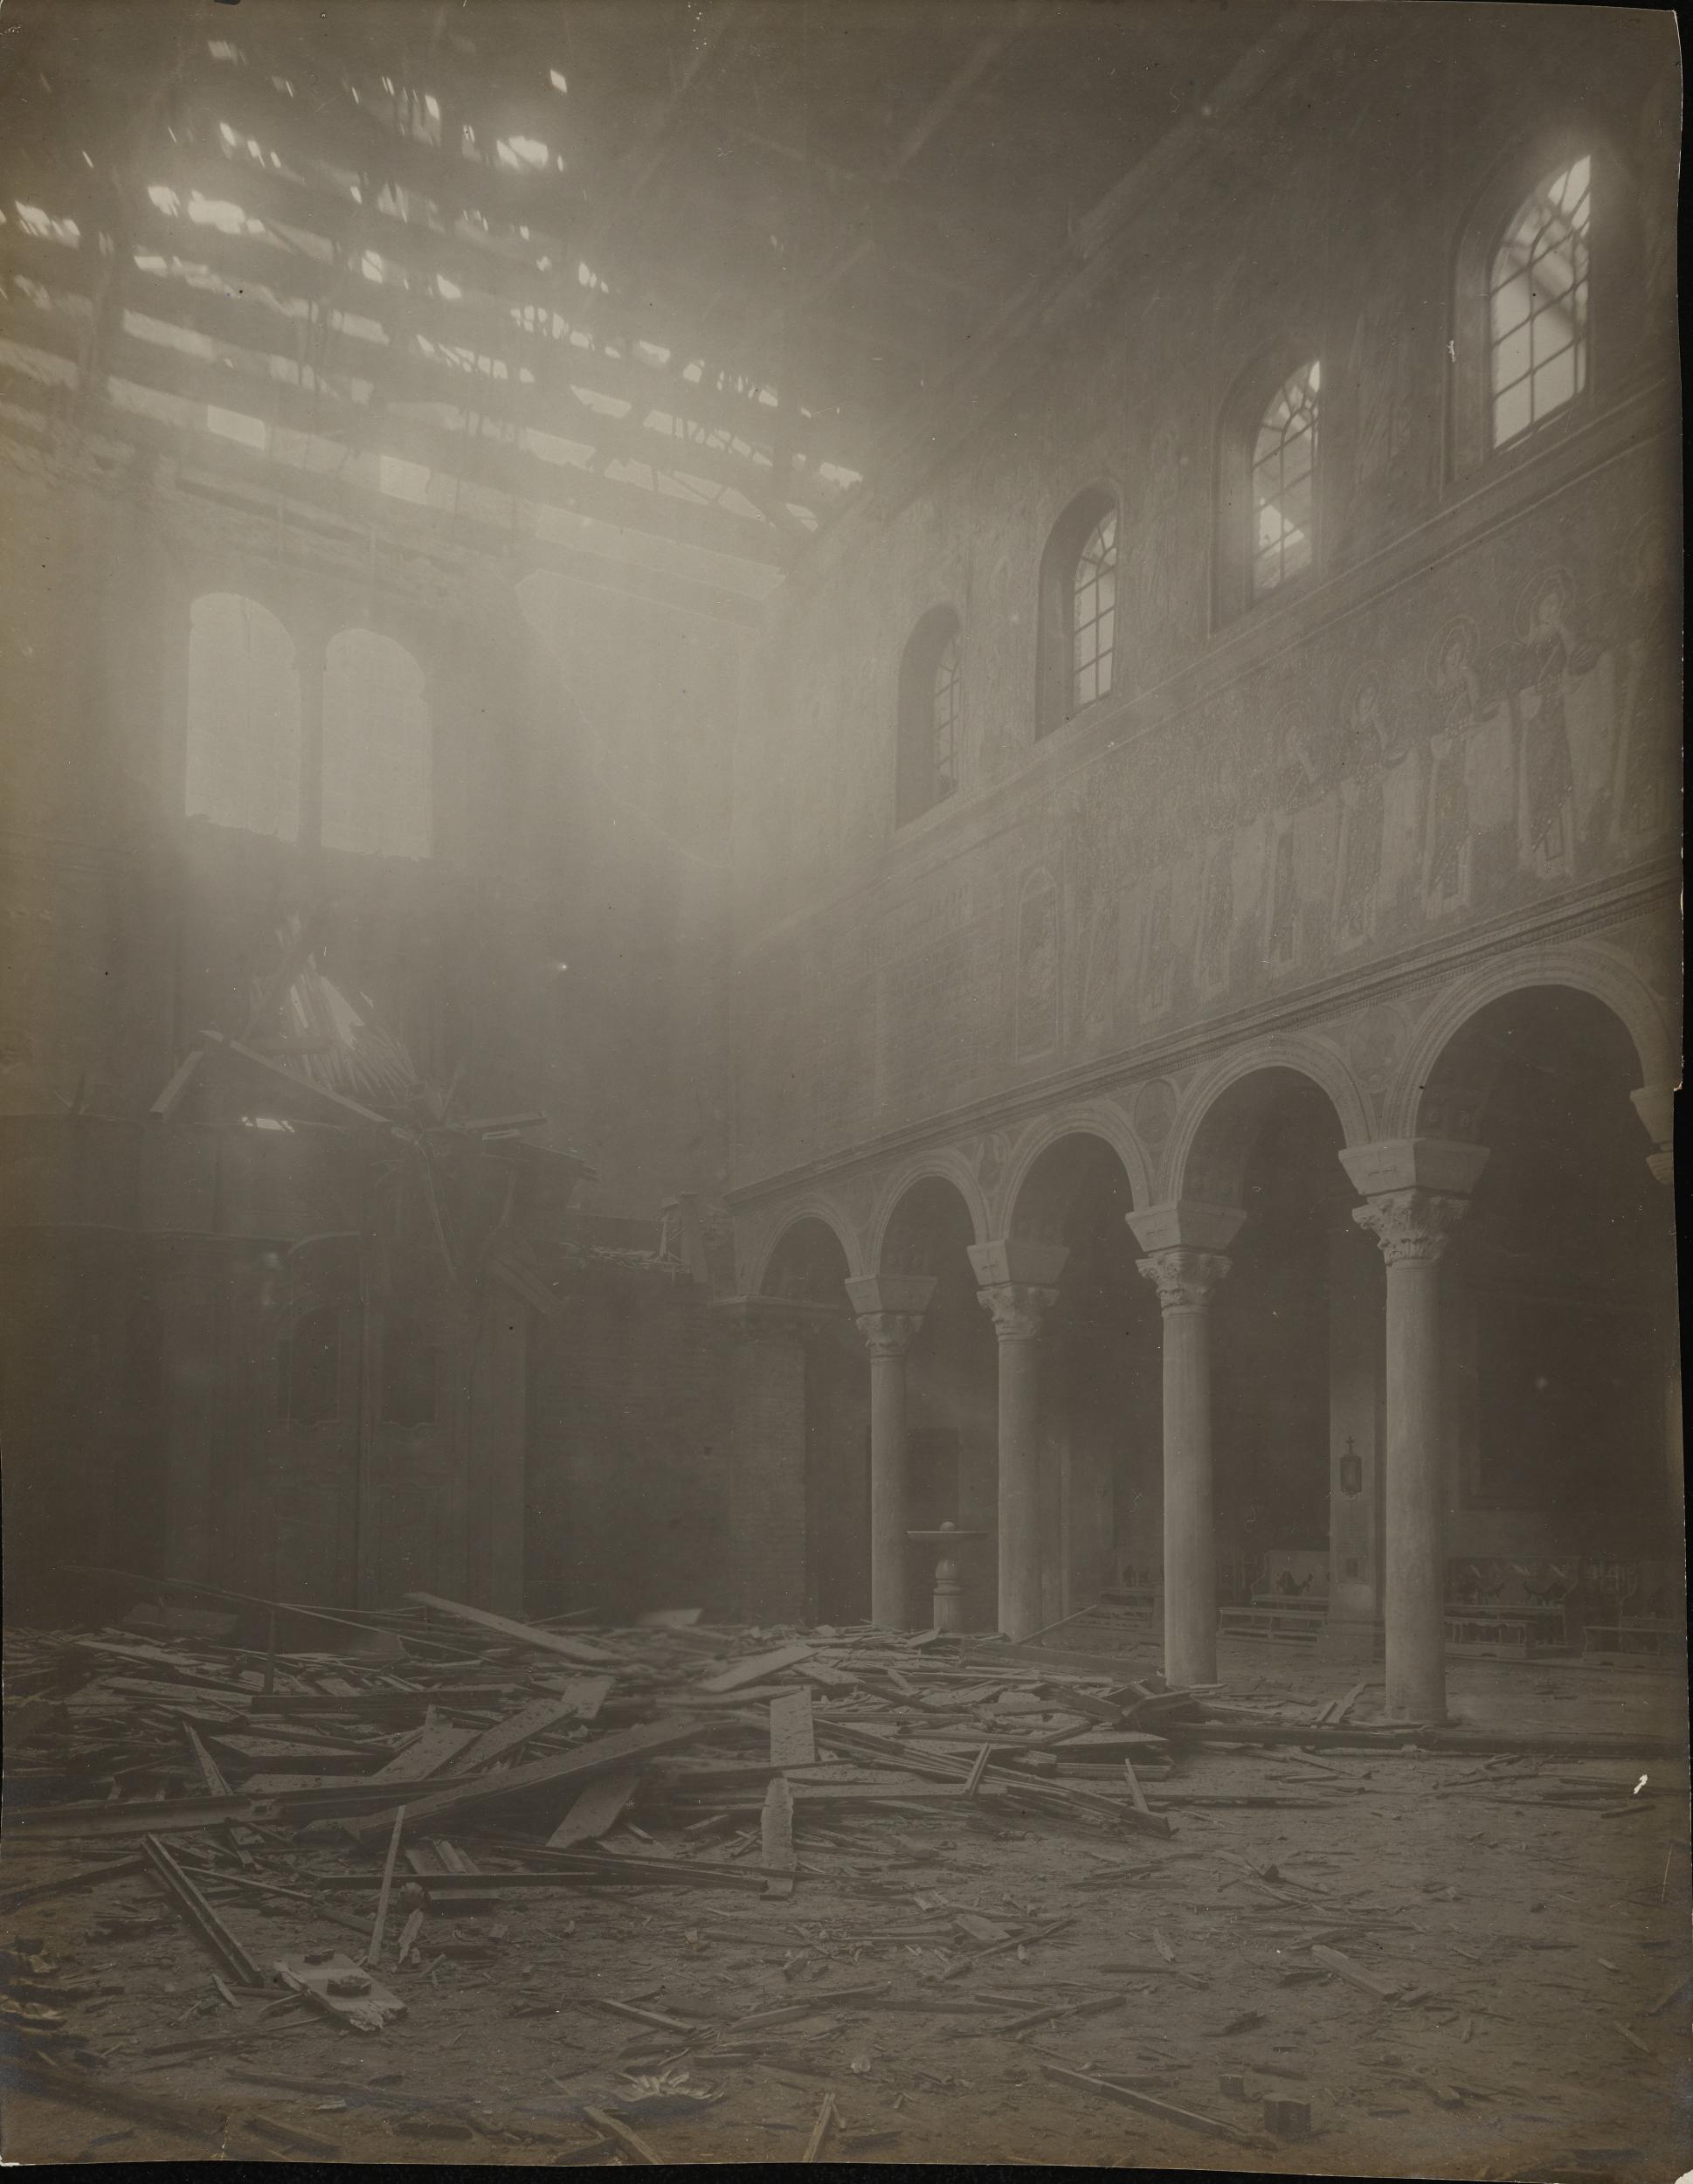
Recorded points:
(1217, 918)
(1459, 711)
(1642, 791)
(1364, 745)
(1285, 903)
(1552, 658)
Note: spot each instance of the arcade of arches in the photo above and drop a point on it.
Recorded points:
(1378, 1386)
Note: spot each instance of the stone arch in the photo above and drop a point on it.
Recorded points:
(1417, 1093)
(813, 1211)
(1093, 1119)
(948, 1166)
(1205, 1157)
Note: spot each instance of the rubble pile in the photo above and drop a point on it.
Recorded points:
(349, 1834)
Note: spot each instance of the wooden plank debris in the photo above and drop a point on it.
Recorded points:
(579, 1649)
(754, 1669)
(439, 1741)
(613, 2128)
(1132, 2096)
(1383, 1990)
(793, 1743)
(373, 1955)
(579, 1703)
(203, 1921)
(606, 1755)
(825, 2116)
(597, 1807)
(334, 1984)
(777, 1836)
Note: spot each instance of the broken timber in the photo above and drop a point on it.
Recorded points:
(776, 1833)
(1113, 2091)
(208, 1928)
(334, 1984)
(599, 1805)
(606, 1755)
(580, 1649)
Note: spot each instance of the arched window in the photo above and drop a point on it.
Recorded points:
(376, 748)
(1268, 482)
(1094, 614)
(930, 713)
(1552, 308)
(1284, 480)
(1077, 663)
(1537, 300)
(243, 758)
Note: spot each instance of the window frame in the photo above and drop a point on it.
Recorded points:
(1234, 553)
(1307, 378)
(1055, 665)
(1615, 302)
(917, 787)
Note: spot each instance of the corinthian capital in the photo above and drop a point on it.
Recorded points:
(1017, 1309)
(1411, 1227)
(888, 1334)
(1184, 1278)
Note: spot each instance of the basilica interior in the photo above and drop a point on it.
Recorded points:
(860, 818)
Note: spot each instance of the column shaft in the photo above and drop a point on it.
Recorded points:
(1184, 1279)
(1413, 1227)
(1416, 1527)
(1020, 1483)
(890, 1310)
(1190, 1542)
(888, 1545)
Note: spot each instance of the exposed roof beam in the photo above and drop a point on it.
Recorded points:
(263, 337)
(477, 458)
(258, 487)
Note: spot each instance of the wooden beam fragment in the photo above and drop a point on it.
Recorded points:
(792, 1741)
(599, 1805)
(606, 1755)
(516, 1634)
(776, 1835)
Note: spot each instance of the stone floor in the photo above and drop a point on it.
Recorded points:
(1537, 1949)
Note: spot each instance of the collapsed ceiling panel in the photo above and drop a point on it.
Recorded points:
(667, 273)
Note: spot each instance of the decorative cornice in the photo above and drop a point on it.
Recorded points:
(1604, 904)
(1183, 1278)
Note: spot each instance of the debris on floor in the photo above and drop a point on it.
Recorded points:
(715, 1870)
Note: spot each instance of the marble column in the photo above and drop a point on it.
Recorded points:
(1016, 1283)
(889, 1309)
(1355, 1471)
(1184, 1243)
(1416, 1190)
